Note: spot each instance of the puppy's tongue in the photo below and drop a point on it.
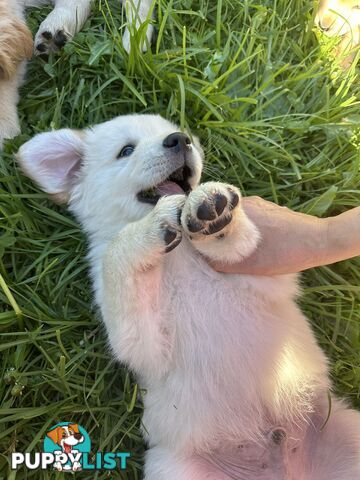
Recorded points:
(67, 448)
(168, 188)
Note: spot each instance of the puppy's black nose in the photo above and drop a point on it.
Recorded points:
(77, 436)
(178, 141)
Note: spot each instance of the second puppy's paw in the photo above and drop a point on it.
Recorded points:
(60, 26)
(47, 42)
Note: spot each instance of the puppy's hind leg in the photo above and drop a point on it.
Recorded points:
(67, 18)
(132, 306)
(334, 451)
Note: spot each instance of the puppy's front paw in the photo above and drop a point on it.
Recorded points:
(165, 221)
(209, 210)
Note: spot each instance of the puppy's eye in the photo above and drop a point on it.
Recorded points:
(126, 151)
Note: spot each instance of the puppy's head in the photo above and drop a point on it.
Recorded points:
(114, 173)
(66, 436)
(16, 44)
(339, 17)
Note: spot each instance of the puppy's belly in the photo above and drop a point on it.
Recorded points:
(248, 462)
(238, 358)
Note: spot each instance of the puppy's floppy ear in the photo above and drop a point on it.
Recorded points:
(55, 435)
(16, 45)
(53, 160)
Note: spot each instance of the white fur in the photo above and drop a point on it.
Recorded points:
(228, 362)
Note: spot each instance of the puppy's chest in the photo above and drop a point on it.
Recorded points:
(221, 314)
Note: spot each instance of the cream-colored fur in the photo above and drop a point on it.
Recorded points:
(341, 18)
(16, 46)
(236, 385)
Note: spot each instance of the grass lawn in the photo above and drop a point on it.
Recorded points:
(253, 83)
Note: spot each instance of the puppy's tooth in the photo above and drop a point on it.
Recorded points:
(206, 211)
(218, 225)
(234, 200)
(194, 226)
(220, 203)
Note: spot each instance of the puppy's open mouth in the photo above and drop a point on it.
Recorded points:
(176, 183)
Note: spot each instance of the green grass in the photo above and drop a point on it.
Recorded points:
(274, 119)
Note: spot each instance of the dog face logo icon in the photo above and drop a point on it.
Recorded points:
(68, 441)
(66, 437)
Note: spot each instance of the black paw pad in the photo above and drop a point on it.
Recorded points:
(41, 47)
(47, 35)
(218, 225)
(234, 200)
(220, 203)
(174, 244)
(206, 212)
(278, 436)
(60, 38)
(194, 226)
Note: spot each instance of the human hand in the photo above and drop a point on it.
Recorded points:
(292, 241)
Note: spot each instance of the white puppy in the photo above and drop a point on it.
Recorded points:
(236, 385)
